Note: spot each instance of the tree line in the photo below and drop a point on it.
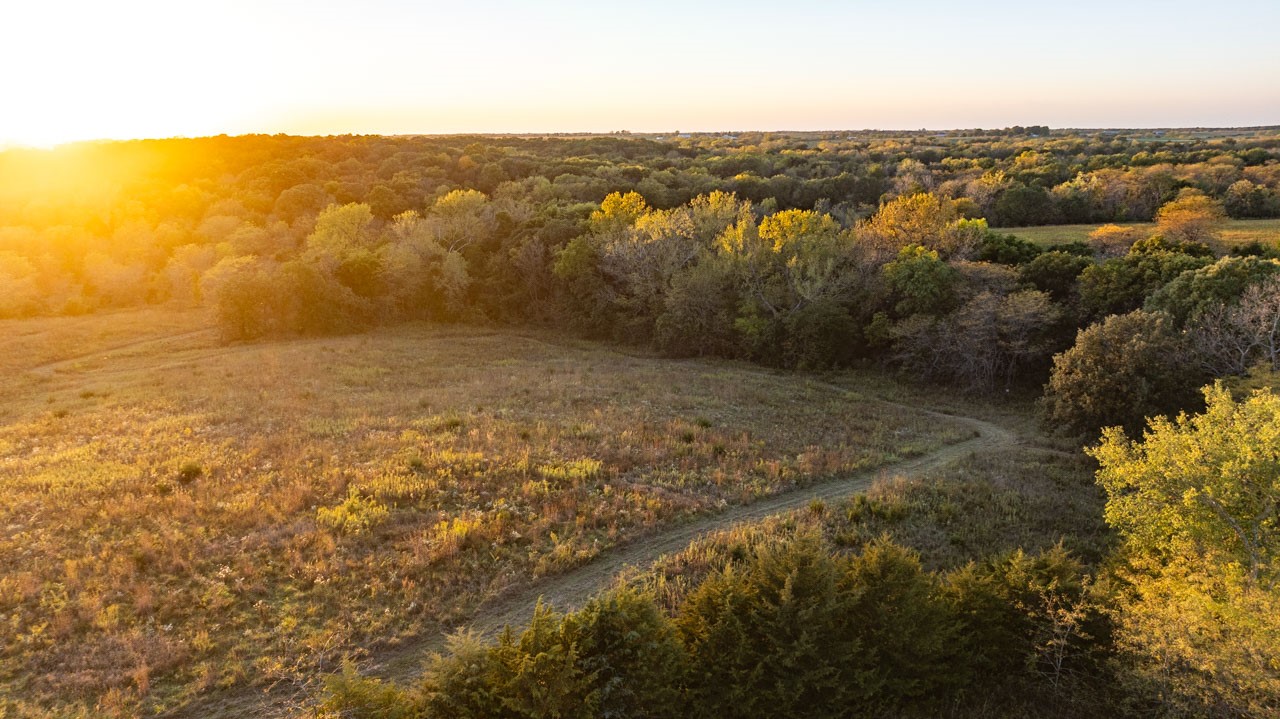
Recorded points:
(1123, 327)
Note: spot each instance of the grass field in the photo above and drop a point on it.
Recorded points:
(1236, 232)
(182, 515)
(89, 338)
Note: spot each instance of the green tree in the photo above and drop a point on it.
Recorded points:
(465, 682)
(315, 303)
(1022, 205)
(641, 260)
(1122, 284)
(1119, 372)
(699, 310)
(460, 219)
(19, 293)
(585, 293)
(776, 637)
(539, 675)
(1030, 622)
(631, 654)
(1055, 273)
(246, 297)
(618, 211)
(789, 261)
(906, 629)
(820, 335)
(1193, 292)
(340, 229)
(921, 282)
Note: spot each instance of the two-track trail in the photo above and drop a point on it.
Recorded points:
(49, 368)
(573, 588)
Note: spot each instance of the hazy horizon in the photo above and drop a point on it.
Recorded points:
(639, 133)
(143, 69)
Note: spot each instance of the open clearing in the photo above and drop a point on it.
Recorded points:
(1235, 232)
(187, 519)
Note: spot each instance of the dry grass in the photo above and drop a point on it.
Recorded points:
(986, 505)
(87, 338)
(181, 516)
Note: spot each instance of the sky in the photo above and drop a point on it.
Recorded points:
(89, 69)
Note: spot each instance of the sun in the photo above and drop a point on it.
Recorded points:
(87, 70)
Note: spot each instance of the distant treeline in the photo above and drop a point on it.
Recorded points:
(97, 225)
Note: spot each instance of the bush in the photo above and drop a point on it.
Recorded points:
(1119, 372)
(1006, 249)
(351, 696)
(820, 336)
(190, 472)
(356, 515)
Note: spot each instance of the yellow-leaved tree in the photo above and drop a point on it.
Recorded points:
(1196, 504)
(1191, 217)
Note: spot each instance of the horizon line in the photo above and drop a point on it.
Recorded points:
(17, 145)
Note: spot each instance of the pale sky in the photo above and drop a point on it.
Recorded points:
(144, 68)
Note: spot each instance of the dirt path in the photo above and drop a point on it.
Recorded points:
(49, 368)
(571, 589)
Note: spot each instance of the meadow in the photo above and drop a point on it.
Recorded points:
(1234, 232)
(185, 517)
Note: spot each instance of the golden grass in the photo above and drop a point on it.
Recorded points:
(181, 516)
(87, 338)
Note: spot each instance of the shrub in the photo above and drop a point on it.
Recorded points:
(190, 472)
(1119, 372)
(351, 696)
(820, 336)
(356, 515)
(1006, 249)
